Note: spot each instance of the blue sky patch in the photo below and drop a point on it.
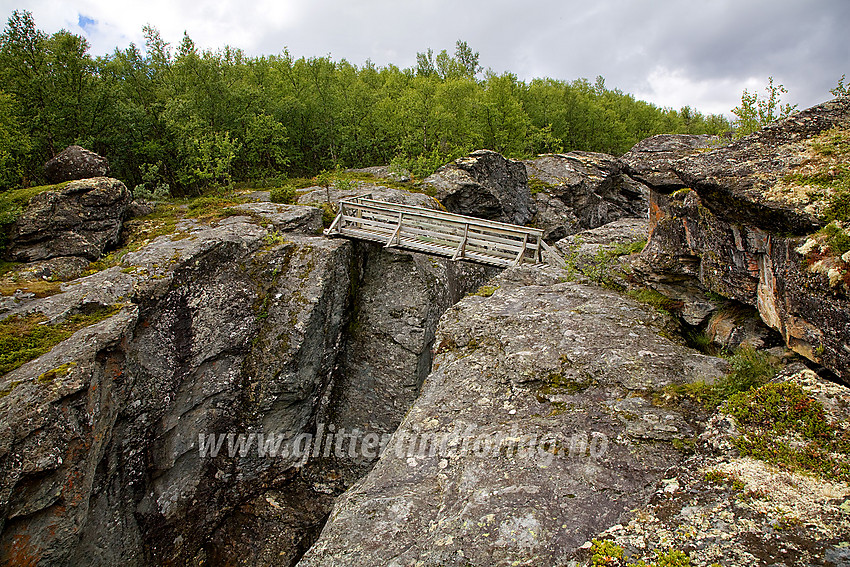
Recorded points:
(85, 22)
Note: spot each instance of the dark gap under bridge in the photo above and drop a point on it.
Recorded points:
(438, 232)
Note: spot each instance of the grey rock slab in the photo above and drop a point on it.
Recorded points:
(549, 373)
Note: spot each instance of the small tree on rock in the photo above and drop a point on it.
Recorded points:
(755, 113)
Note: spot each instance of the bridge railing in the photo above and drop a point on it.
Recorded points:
(437, 232)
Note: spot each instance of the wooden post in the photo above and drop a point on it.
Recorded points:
(395, 235)
(461, 248)
(521, 252)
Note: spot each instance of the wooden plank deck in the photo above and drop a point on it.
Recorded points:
(437, 232)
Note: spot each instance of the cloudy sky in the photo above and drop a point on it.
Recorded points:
(669, 52)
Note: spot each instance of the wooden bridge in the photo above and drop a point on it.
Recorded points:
(437, 232)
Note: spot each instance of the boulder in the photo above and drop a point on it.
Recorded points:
(590, 188)
(750, 181)
(555, 218)
(285, 218)
(650, 161)
(485, 185)
(745, 231)
(75, 162)
(140, 208)
(80, 218)
(528, 436)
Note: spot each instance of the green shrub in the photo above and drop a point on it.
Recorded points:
(285, 194)
(655, 299)
(329, 213)
(781, 424)
(750, 369)
(837, 240)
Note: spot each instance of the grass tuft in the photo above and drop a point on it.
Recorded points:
(25, 337)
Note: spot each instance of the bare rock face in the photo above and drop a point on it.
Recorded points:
(80, 218)
(75, 162)
(650, 161)
(252, 326)
(220, 332)
(746, 182)
(485, 185)
(589, 190)
(399, 298)
(527, 438)
(740, 233)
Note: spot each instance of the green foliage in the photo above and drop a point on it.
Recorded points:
(274, 238)
(655, 299)
(604, 553)
(537, 186)
(755, 113)
(329, 213)
(422, 165)
(829, 173)
(841, 89)
(208, 118)
(837, 240)
(626, 248)
(486, 290)
(603, 267)
(750, 369)
(285, 194)
(781, 424)
(23, 338)
(720, 477)
(153, 187)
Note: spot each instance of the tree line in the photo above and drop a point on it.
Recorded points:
(188, 119)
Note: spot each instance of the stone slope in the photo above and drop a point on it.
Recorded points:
(563, 362)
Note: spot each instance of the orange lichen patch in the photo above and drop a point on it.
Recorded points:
(21, 552)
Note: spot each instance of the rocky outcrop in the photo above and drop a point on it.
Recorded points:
(485, 185)
(650, 161)
(748, 182)
(398, 298)
(719, 507)
(587, 244)
(219, 332)
(75, 162)
(582, 190)
(528, 437)
(737, 233)
(252, 327)
(81, 218)
(285, 218)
